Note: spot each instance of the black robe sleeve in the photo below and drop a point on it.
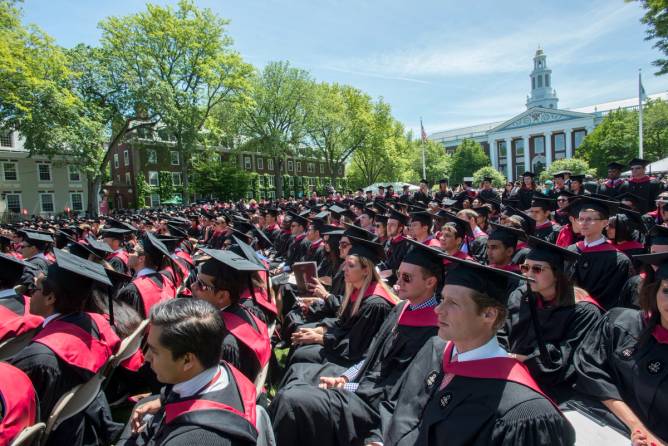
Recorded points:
(130, 295)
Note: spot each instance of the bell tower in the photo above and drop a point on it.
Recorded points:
(542, 93)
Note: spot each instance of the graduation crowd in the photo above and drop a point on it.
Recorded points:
(467, 317)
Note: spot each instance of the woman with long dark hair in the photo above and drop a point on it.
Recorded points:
(545, 321)
(624, 230)
(623, 362)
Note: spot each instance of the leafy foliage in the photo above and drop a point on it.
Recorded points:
(576, 166)
(498, 179)
(657, 20)
(469, 156)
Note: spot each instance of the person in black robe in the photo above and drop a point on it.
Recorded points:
(315, 252)
(626, 230)
(623, 361)
(34, 245)
(443, 191)
(15, 317)
(540, 212)
(150, 286)
(613, 185)
(303, 414)
(486, 191)
(642, 185)
(346, 340)
(18, 403)
(220, 234)
(299, 244)
(396, 246)
(54, 363)
(545, 324)
(205, 402)
(468, 391)
(601, 270)
(423, 195)
(220, 282)
(117, 255)
(271, 228)
(526, 191)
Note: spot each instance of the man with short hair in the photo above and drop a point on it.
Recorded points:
(396, 245)
(642, 185)
(205, 401)
(420, 228)
(540, 211)
(114, 237)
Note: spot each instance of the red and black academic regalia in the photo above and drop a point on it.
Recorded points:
(282, 243)
(39, 265)
(548, 231)
(647, 188)
(460, 255)
(348, 337)
(297, 249)
(66, 353)
(602, 270)
(18, 403)
(246, 344)
(490, 401)
(260, 304)
(524, 196)
(305, 414)
(431, 241)
(272, 232)
(217, 239)
(315, 252)
(15, 316)
(631, 248)
(629, 295)
(562, 329)
(395, 250)
(225, 417)
(146, 291)
(119, 261)
(611, 187)
(613, 364)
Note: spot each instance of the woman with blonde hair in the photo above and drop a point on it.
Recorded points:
(366, 303)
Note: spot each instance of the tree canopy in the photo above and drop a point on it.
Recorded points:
(656, 18)
(468, 157)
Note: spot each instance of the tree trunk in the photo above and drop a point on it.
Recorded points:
(278, 162)
(184, 181)
(93, 186)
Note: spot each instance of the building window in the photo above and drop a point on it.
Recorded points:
(248, 163)
(270, 181)
(155, 200)
(6, 139)
(322, 168)
(310, 168)
(289, 165)
(559, 146)
(175, 160)
(115, 160)
(518, 147)
(128, 179)
(46, 201)
(519, 169)
(260, 163)
(152, 156)
(10, 172)
(271, 195)
(77, 201)
(270, 164)
(533, 83)
(501, 147)
(539, 145)
(74, 173)
(249, 195)
(578, 137)
(176, 178)
(153, 178)
(298, 166)
(44, 171)
(540, 81)
(13, 203)
(126, 158)
(547, 80)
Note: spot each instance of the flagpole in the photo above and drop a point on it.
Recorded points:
(640, 98)
(424, 166)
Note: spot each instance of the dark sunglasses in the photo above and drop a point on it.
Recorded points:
(405, 277)
(536, 269)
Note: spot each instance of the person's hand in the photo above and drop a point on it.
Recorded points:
(332, 382)
(520, 358)
(305, 336)
(642, 437)
(317, 289)
(305, 303)
(326, 280)
(275, 271)
(374, 443)
(138, 414)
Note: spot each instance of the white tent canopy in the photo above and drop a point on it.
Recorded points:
(660, 166)
(397, 187)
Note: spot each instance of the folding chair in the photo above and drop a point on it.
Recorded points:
(265, 432)
(12, 346)
(130, 344)
(29, 436)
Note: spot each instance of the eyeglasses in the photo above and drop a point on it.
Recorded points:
(536, 269)
(343, 244)
(203, 286)
(589, 220)
(405, 277)
(378, 225)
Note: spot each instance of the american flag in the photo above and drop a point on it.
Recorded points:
(423, 134)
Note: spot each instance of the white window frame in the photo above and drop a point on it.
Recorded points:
(270, 164)
(126, 158)
(16, 169)
(174, 176)
(174, 158)
(290, 165)
(270, 181)
(310, 168)
(115, 160)
(73, 170)
(152, 156)
(260, 163)
(72, 207)
(298, 166)
(154, 200)
(128, 179)
(39, 175)
(9, 134)
(248, 162)
(153, 174)
(13, 195)
(41, 202)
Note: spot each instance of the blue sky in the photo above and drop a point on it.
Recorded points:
(454, 63)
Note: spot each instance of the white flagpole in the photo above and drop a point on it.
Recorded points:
(424, 165)
(640, 97)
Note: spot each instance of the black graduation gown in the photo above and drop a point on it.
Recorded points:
(469, 411)
(488, 194)
(395, 251)
(548, 232)
(38, 265)
(610, 189)
(52, 378)
(524, 195)
(282, 243)
(440, 196)
(131, 295)
(478, 248)
(562, 328)
(315, 252)
(272, 233)
(304, 414)
(236, 352)
(297, 249)
(348, 337)
(118, 265)
(612, 364)
(602, 271)
(629, 297)
(647, 190)
(421, 196)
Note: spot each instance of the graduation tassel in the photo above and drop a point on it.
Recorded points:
(544, 355)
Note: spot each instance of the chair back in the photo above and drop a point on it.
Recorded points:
(130, 344)
(29, 436)
(10, 347)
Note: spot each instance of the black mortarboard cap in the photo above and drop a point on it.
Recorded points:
(71, 269)
(482, 210)
(39, 239)
(638, 162)
(505, 234)
(659, 235)
(231, 259)
(366, 248)
(247, 252)
(425, 256)
(153, 245)
(115, 233)
(381, 218)
(606, 208)
(543, 251)
(370, 212)
(171, 243)
(177, 231)
(528, 224)
(628, 196)
(543, 203)
(358, 232)
(98, 247)
(336, 209)
(11, 268)
(579, 178)
(463, 227)
(528, 174)
(298, 218)
(423, 217)
(396, 215)
(616, 165)
(660, 260)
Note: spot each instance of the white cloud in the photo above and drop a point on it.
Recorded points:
(495, 50)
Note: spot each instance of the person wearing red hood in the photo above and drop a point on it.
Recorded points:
(642, 185)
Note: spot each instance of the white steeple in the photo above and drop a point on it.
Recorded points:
(542, 93)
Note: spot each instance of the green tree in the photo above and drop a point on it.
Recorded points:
(656, 18)
(182, 59)
(212, 177)
(468, 157)
(165, 186)
(437, 162)
(275, 123)
(577, 166)
(143, 190)
(498, 179)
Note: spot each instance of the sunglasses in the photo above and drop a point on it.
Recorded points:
(405, 277)
(203, 286)
(344, 244)
(536, 269)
